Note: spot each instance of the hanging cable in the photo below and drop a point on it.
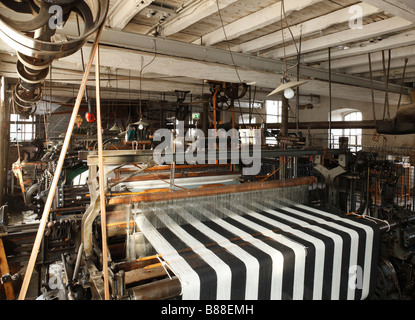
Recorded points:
(403, 83)
(386, 76)
(330, 97)
(371, 87)
(141, 74)
(227, 42)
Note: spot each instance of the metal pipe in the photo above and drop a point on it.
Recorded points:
(365, 124)
(284, 116)
(159, 290)
(78, 262)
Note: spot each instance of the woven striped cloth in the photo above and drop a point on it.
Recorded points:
(262, 250)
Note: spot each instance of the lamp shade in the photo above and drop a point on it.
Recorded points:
(141, 123)
(288, 85)
(114, 128)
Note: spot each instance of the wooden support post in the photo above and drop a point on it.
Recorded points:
(101, 179)
(4, 270)
(48, 204)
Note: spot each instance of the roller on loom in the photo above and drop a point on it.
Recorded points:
(261, 244)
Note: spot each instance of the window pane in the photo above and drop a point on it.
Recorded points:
(28, 128)
(354, 135)
(244, 119)
(273, 110)
(22, 129)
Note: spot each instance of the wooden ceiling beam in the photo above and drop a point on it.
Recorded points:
(123, 11)
(254, 21)
(378, 66)
(403, 39)
(400, 8)
(179, 67)
(363, 59)
(368, 31)
(303, 29)
(394, 73)
(192, 15)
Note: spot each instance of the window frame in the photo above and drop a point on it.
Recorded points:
(347, 132)
(22, 130)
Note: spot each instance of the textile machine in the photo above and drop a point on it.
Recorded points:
(309, 225)
(207, 232)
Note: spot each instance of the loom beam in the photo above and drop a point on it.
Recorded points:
(205, 192)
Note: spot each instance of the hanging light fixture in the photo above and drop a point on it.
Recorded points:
(115, 128)
(287, 86)
(141, 124)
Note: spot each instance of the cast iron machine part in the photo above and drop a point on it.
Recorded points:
(226, 94)
(182, 109)
(36, 43)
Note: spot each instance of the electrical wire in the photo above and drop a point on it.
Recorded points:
(284, 19)
(233, 60)
(141, 75)
(227, 42)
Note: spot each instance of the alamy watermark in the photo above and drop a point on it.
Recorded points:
(355, 277)
(193, 147)
(56, 20)
(356, 17)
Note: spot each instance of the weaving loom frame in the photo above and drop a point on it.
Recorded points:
(371, 231)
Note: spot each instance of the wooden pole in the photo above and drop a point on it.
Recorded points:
(48, 204)
(101, 179)
(4, 269)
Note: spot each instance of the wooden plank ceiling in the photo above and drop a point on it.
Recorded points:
(263, 30)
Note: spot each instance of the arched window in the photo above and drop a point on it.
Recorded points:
(354, 135)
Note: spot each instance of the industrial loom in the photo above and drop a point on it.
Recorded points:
(197, 231)
(213, 237)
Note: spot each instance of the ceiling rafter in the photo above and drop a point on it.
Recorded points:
(344, 37)
(363, 59)
(303, 29)
(377, 66)
(123, 11)
(254, 21)
(402, 39)
(192, 15)
(400, 8)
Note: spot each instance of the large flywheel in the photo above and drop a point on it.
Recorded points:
(36, 30)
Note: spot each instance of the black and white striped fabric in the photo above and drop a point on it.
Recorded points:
(263, 251)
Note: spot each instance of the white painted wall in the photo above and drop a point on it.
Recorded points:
(320, 112)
